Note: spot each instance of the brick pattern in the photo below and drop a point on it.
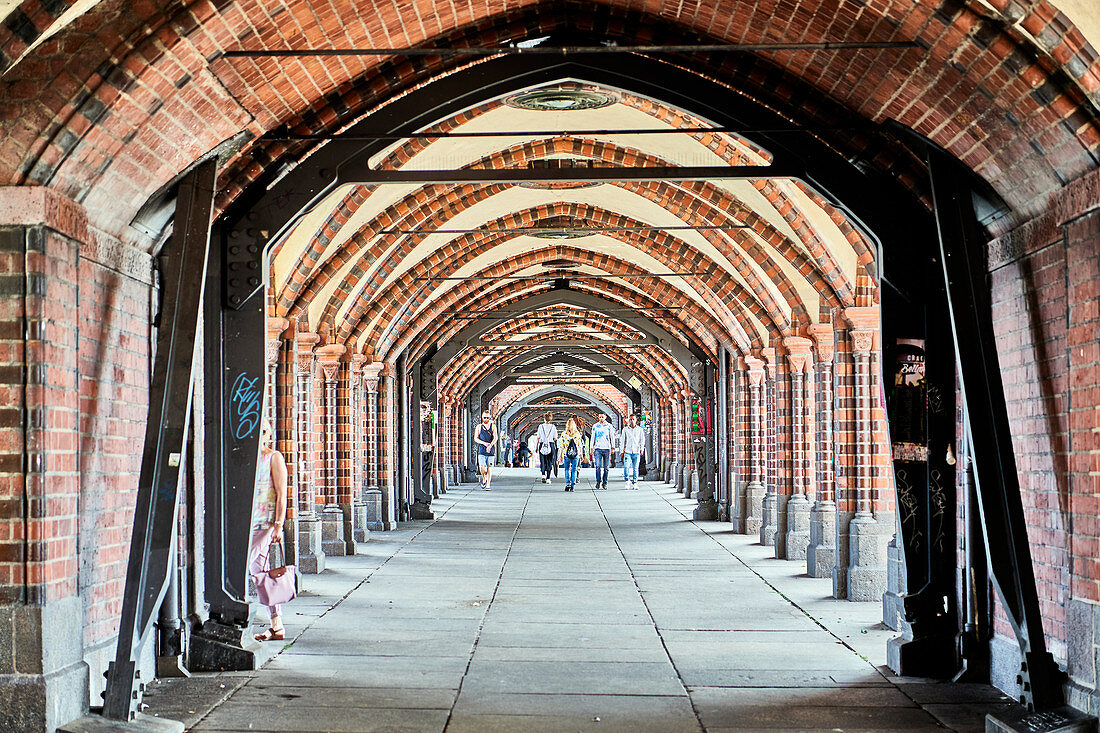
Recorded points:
(114, 373)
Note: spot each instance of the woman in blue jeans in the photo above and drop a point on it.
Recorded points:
(570, 445)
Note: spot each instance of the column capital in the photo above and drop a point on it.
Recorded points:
(329, 358)
(824, 339)
(755, 370)
(862, 318)
(798, 352)
(306, 341)
(771, 360)
(371, 373)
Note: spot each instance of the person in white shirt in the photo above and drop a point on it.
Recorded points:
(547, 438)
(631, 441)
(603, 442)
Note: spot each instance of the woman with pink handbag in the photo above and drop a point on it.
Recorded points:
(274, 579)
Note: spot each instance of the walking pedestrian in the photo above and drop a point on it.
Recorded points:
(268, 515)
(521, 453)
(571, 444)
(486, 439)
(631, 442)
(547, 437)
(507, 449)
(603, 442)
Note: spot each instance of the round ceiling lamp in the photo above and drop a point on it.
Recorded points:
(560, 100)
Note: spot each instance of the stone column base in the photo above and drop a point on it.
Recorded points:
(47, 641)
(754, 508)
(359, 532)
(333, 543)
(840, 570)
(674, 475)
(706, 511)
(311, 558)
(893, 607)
(868, 537)
(372, 505)
(821, 552)
(694, 484)
(769, 519)
(797, 537)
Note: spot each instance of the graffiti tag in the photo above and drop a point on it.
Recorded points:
(245, 404)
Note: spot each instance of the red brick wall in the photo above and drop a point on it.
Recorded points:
(114, 375)
(1045, 280)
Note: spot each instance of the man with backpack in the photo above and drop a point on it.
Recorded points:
(547, 447)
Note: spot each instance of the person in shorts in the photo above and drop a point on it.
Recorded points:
(485, 436)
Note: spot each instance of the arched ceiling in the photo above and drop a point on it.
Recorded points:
(108, 102)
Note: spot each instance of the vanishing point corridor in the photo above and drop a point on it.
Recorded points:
(530, 609)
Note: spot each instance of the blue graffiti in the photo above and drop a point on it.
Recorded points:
(246, 402)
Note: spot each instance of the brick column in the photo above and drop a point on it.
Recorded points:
(868, 534)
(334, 541)
(43, 676)
(357, 448)
(279, 395)
(757, 447)
(773, 526)
(821, 554)
(674, 433)
(799, 361)
(687, 481)
(311, 558)
(372, 496)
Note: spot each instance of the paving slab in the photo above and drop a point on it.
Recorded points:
(528, 609)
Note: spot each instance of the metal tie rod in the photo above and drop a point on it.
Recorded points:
(603, 174)
(571, 50)
(572, 229)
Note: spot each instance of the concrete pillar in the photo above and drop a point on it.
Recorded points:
(821, 554)
(334, 541)
(311, 558)
(757, 447)
(801, 410)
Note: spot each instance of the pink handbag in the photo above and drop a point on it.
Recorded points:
(277, 584)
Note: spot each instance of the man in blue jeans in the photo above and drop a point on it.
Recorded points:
(603, 441)
(630, 447)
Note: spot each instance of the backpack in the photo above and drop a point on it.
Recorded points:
(571, 449)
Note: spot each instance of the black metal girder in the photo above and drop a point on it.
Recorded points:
(170, 390)
(962, 248)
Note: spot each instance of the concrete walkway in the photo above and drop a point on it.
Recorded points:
(530, 609)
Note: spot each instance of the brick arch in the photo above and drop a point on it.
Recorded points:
(435, 212)
(608, 152)
(418, 336)
(144, 53)
(466, 248)
(525, 390)
(399, 316)
(656, 367)
(579, 319)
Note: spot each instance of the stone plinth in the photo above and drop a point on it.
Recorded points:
(867, 540)
(333, 543)
(821, 552)
(797, 537)
(311, 558)
(372, 505)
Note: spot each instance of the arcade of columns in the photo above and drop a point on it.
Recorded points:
(809, 473)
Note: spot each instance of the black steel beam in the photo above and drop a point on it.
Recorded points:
(443, 135)
(234, 328)
(170, 391)
(962, 249)
(609, 174)
(708, 48)
(586, 230)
